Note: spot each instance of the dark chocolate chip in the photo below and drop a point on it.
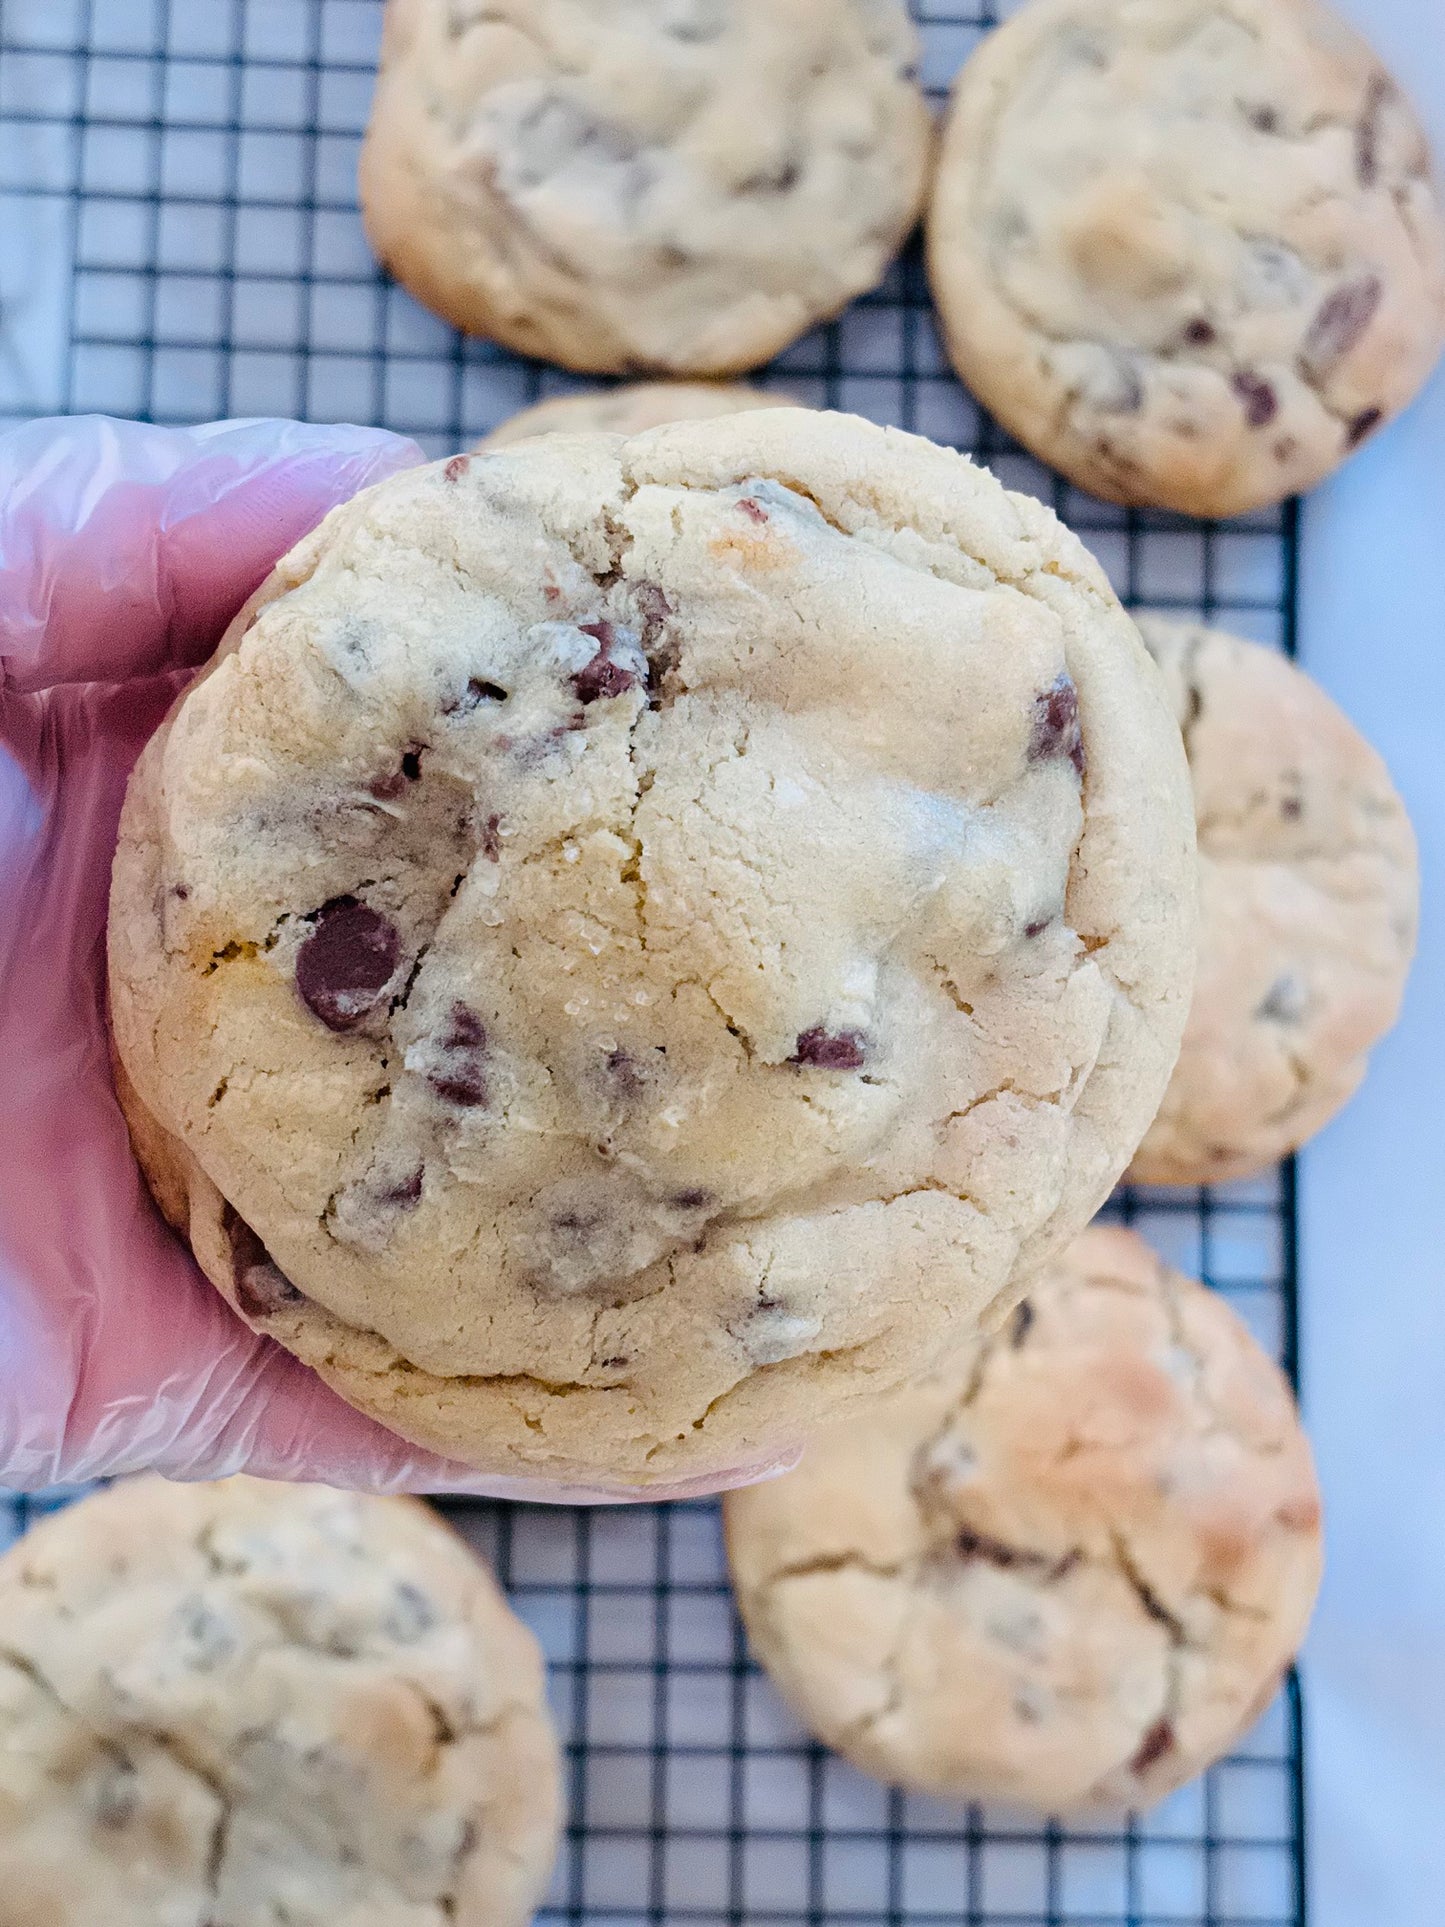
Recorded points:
(391, 785)
(1364, 423)
(603, 677)
(406, 1192)
(460, 1077)
(829, 1050)
(1158, 1741)
(1291, 808)
(614, 1364)
(477, 692)
(693, 1199)
(1199, 332)
(1264, 119)
(411, 763)
(1367, 130)
(754, 511)
(457, 467)
(346, 962)
(1057, 731)
(259, 1288)
(492, 840)
(1020, 1325)
(180, 893)
(1261, 403)
(1036, 929)
(1339, 322)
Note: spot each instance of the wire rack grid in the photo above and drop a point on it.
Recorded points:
(179, 240)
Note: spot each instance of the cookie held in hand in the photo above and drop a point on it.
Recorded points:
(634, 942)
(249, 1702)
(1068, 1571)
(1189, 252)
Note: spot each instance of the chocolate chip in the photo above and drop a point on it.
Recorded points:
(693, 1199)
(460, 1076)
(477, 692)
(1264, 119)
(1020, 1325)
(406, 1192)
(346, 962)
(1367, 130)
(829, 1050)
(1261, 403)
(492, 839)
(1158, 1741)
(1285, 1002)
(1037, 928)
(180, 893)
(411, 763)
(259, 1288)
(1291, 808)
(653, 607)
(614, 1364)
(457, 467)
(1364, 423)
(392, 785)
(604, 676)
(1057, 731)
(1199, 332)
(1340, 320)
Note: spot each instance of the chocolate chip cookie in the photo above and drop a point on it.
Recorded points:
(235, 1704)
(628, 409)
(1067, 1572)
(676, 185)
(1309, 892)
(1190, 252)
(634, 942)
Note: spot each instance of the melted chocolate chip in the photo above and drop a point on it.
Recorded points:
(1199, 332)
(1158, 1741)
(1264, 119)
(1261, 403)
(1367, 130)
(460, 1077)
(457, 467)
(1340, 320)
(257, 1284)
(653, 607)
(1020, 1325)
(693, 1199)
(754, 511)
(1057, 731)
(603, 677)
(1291, 808)
(1364, 424)
(829, 1050)
(346, 962)
(406, 1192)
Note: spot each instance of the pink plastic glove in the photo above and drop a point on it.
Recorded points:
(124, 552)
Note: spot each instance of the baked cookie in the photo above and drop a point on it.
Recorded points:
(677, 185)
(634, 941)
(631, 408)
(1190, 252)
(238, 1704)
(1068, 1572)
(1309, 890)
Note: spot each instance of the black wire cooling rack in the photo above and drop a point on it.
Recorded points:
(179, 240)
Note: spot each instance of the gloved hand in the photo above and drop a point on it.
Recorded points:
(124, 552)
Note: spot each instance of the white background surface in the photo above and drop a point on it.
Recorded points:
(1373, 1253)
